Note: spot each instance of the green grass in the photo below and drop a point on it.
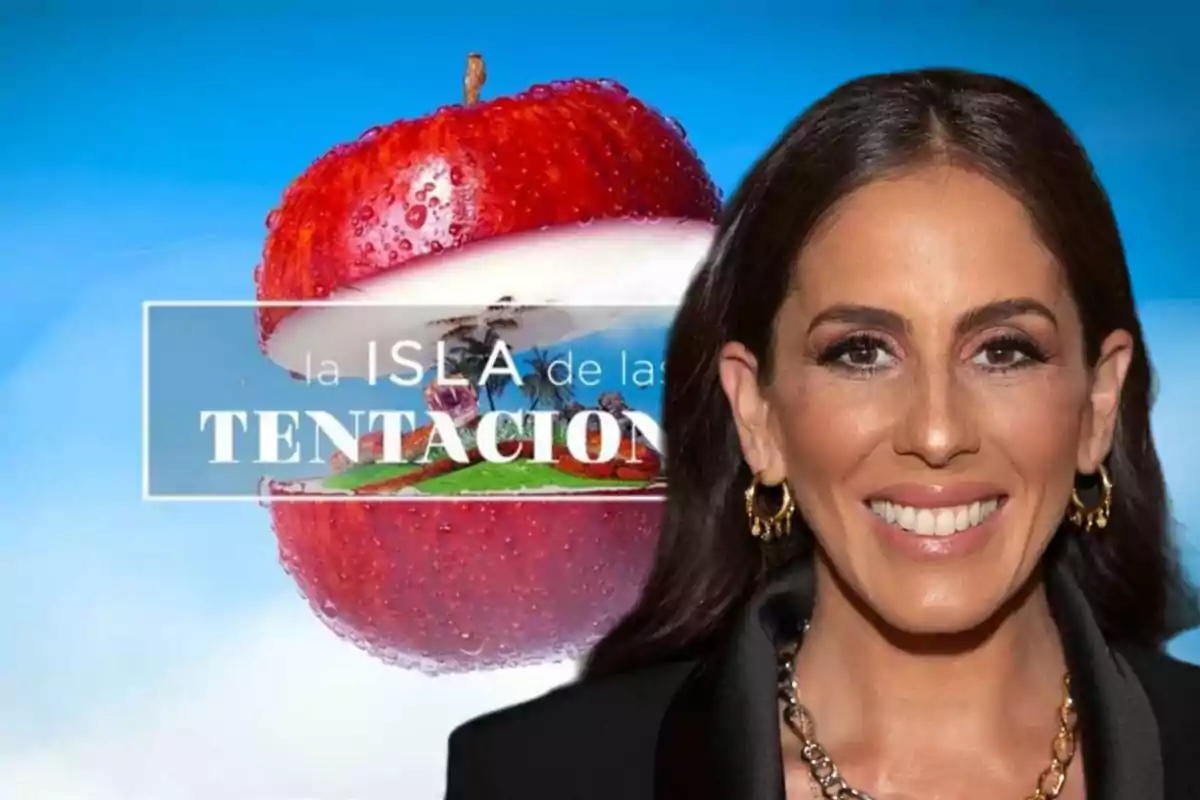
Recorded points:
(512, 477)
(364, 474)
(482, 477)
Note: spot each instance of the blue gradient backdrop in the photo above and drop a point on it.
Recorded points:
(142, 146)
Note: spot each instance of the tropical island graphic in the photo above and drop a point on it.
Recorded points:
(425, 468)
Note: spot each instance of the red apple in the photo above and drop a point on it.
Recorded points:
(556, 209)
(574, 193)
(453, 585)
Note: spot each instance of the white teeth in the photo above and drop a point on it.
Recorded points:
(962, 518)
(935, 521)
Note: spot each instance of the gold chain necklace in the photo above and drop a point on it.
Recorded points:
(834, 787)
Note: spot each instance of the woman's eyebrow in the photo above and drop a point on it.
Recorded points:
(1002, 310)
(860, 315)
(882, 318)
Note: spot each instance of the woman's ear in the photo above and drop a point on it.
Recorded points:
(751, 412)
(1104, 401)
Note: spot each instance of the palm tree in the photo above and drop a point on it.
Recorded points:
(471, 357)
(538, 385)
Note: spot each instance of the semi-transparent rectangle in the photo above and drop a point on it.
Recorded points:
(240, 398)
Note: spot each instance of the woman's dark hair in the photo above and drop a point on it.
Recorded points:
(707, 563)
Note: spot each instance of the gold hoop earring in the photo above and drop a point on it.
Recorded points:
(773, 526)
(1087, 517)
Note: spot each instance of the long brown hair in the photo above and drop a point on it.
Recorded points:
(707, 564)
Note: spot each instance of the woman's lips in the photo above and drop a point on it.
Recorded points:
(938, 495)
(933, 521)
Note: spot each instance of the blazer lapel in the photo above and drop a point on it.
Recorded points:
(720, 736)
(1117, 726)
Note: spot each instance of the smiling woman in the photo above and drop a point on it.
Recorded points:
(915, 332)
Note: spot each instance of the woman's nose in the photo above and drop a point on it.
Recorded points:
(939, 420)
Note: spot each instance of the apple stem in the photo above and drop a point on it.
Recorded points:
(474, 80)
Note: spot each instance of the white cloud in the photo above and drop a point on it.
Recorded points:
(278, 708)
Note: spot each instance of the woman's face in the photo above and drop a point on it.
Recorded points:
(930, 404)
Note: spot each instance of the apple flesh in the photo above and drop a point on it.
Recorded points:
(549, 286)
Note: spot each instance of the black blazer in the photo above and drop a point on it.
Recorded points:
(708, 729)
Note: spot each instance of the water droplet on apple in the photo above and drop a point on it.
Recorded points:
(434, 202)
(405, 244)
(455, 229)
(272, 219)
(415, 216)
(456, 176)
(370, 133)
(435, 247)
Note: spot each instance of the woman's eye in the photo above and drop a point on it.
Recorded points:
(866, 356)
(1000, 356)
(859, 355)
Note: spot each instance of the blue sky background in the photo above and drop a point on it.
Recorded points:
(158, 651)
